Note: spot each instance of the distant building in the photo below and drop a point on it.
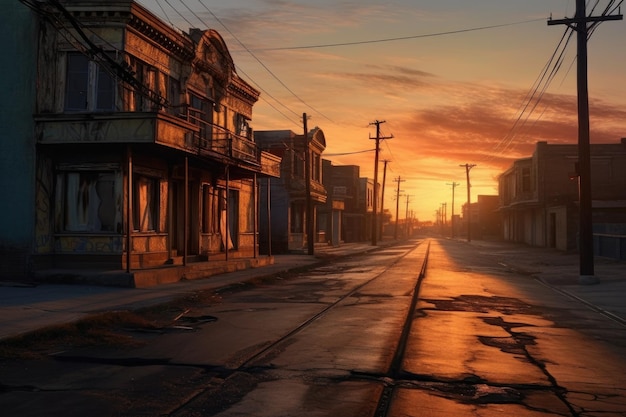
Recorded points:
(489, 224)
(366, 205)
(485, 217)
(140, 152)
(286, 227)
(539, 195)
(344, 190)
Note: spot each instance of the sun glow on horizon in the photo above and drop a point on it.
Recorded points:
(448, 100)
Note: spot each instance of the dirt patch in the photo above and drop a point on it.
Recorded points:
(108, 329)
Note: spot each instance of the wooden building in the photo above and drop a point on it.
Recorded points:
(145, 155)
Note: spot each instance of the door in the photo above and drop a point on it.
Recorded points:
(178, 219)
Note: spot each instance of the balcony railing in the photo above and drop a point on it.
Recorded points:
(217, 139)
(155, 127)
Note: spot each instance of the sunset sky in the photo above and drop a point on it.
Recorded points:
(456, 81)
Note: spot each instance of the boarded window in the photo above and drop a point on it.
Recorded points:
(89, 201)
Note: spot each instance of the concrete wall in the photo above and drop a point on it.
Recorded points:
(17, 143)
(610, 246)
(557, 227)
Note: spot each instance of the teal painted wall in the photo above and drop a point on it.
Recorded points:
(18, 32)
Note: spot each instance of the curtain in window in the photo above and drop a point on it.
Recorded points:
(144, 195)
(210, 210)
(82, 203)
(224, 229)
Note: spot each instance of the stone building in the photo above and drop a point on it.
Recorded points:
(145, 157)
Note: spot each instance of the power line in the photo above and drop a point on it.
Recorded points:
(179, 13)
(402, 38)
(238, 68)
(348, 153)
(546, 79)
(85, 45)
(256, 58)
(164, 13)
(534, 95)
(273, 98)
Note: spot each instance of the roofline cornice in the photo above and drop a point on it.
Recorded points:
(136, 17)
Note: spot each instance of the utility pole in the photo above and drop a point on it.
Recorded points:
(454, 185)
(382, 199)
(310, 243)
(395, 233)
(406, 215)
(445, 213)
(579, 24)
(378, 138)
(468, 167)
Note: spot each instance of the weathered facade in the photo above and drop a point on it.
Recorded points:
(539, 195)
(144, 152)
(285, 229)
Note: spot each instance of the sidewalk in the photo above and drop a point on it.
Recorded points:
(25, 309)
(560, 271)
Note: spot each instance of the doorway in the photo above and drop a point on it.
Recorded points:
(178, 219)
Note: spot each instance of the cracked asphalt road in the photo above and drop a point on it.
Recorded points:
(496, 342)
(484, 341)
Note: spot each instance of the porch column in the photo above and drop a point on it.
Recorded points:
(269, 218)
(227, 226)
(255, 197)
(186, 213)
(129, 205)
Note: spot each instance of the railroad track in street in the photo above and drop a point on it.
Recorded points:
(395, 368)
(258, 359)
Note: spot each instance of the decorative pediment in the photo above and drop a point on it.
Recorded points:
(212, 55)
(317, 138)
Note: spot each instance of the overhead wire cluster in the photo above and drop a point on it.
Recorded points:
(522, 125)
(275, 103)
(52, 10)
